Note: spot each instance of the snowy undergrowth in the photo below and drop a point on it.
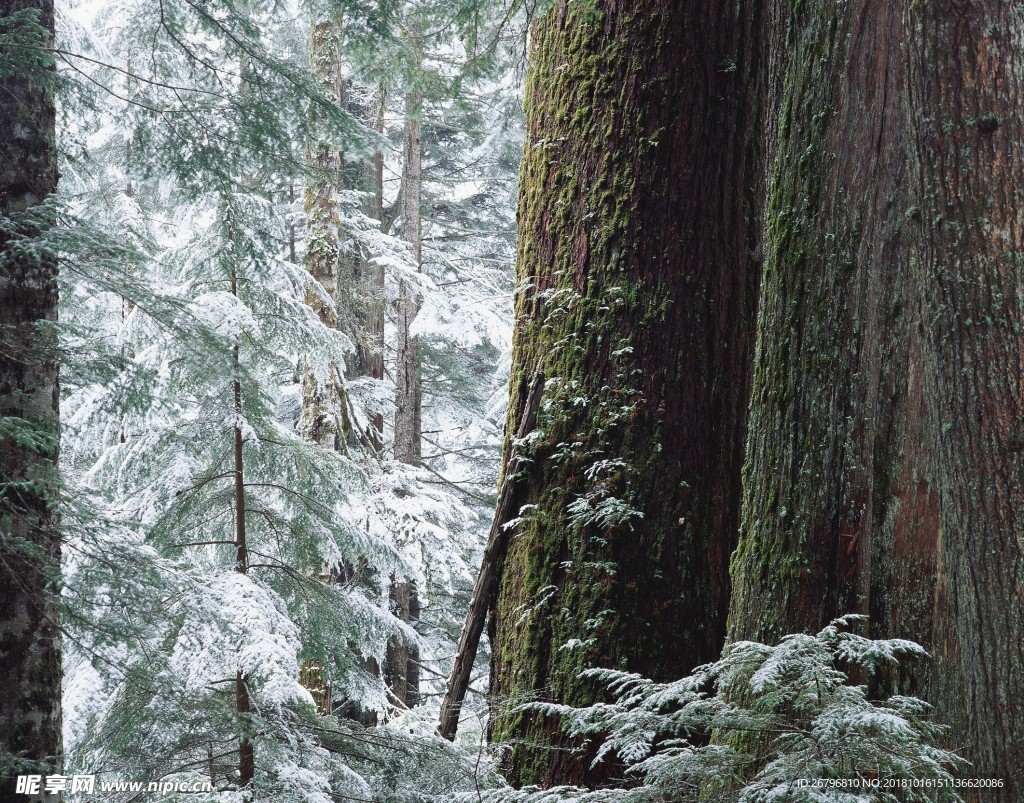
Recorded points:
(782, 718)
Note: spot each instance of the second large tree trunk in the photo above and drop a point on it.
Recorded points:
(635, 254)
(966, 97)
(883, 472)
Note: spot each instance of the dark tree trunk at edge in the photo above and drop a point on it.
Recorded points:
(30, 668)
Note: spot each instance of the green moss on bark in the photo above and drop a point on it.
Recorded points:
(637, 303)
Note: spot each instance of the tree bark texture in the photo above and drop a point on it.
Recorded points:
(966, 95)
(331, 258)
(834, 478)
(30, 644)
(323, 171)
(333, 184)
(882, 469)
(638, 189)
(408, 399)
(402, 661)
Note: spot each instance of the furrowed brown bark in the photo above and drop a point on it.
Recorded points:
(882, 470)
(637, 212)
(839, 514)
(966, 93)
(30, 643)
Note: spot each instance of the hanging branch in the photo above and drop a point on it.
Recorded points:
(494, 555)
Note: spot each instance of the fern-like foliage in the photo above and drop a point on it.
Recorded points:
(785, 723)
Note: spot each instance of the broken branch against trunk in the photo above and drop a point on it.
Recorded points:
(497, 544)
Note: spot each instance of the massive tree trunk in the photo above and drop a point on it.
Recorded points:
(639, 186)
(966, 98)
(839, 513)
(30, 673)
(882, 470)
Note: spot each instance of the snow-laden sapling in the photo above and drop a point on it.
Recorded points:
(764, 723)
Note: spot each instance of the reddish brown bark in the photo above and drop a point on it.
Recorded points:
(636, 233)
(882, 469)
(966, 90)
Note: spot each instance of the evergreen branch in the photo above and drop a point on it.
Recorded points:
(450, 484)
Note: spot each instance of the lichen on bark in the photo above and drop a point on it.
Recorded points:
(636, 302)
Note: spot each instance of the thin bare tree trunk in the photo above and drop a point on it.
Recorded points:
(243, 708)
(490, 569)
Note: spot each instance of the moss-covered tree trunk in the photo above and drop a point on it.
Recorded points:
(882, 472)
(30, 673)
(637, 209)
(334, 181)
(323, 172)
(839, 509)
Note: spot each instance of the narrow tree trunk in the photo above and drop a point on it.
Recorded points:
(490, 566)
(315, 680)
(402, 661)
(30, 645)
(375, 273)
(638, 190)
(408, 402)
(401, 665)
(373, 277)
(246, 752)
